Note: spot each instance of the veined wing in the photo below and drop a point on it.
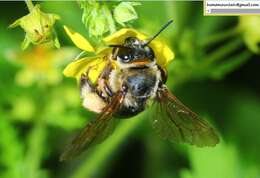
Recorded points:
(174, 121)
(95, 131)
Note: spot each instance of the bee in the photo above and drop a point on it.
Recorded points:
(131, 79)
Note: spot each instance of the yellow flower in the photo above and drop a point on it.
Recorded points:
(96, 63)
(249, 26)
(41, 64)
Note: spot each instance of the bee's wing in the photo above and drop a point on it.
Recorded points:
(174, 121)
(95, 131)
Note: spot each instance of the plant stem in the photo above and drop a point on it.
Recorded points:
(34, 153)
(29, 4)
(219, 37)
(223, 51)
(220, 71)
(36, 140)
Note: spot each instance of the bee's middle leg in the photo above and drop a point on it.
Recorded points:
(105, 87)
(103, 81)
(164, 74)
(92, 98)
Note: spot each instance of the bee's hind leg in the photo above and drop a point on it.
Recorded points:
(85, 82)
(92, 98)
(85, 86)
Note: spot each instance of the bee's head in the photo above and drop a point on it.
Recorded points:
(133, 53)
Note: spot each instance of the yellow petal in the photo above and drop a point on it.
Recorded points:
(120, 36)
(94, 66)
(79, 40)
(162, 52)
(103, 50)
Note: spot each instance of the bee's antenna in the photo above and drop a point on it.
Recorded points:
(116, 46)
(80, 55)
(163, 28)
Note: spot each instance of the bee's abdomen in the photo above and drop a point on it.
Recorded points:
(140, 87)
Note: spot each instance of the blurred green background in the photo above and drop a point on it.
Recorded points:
(215, 72)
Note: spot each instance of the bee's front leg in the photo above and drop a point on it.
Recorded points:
(103, 81)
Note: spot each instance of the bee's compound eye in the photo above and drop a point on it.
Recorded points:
(125, 58)
(149, 52)
(125, 55)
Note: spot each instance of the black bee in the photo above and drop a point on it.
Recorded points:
(125, 90)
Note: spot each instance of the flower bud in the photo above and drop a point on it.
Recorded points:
(38, 27)
(125, 12)
(98, 24)
(94, 18)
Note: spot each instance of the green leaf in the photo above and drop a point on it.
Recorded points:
(221, 161)
(11, 150)
(23, 109)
